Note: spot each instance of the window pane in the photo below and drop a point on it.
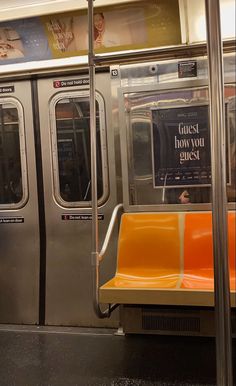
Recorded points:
(169, 146)
(153, 130)
(73, 145)
(10, 164)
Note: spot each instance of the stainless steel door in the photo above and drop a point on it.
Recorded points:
(64, 124)
(19, 224)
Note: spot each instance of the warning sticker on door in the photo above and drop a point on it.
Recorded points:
(70, 82)
(84, 217)
(6, 89)
(11, 220)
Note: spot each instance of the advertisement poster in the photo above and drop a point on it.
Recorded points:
(140, 24)
(130, 26)
(181, 147)
(23, 40)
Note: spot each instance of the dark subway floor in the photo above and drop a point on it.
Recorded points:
(85, 357)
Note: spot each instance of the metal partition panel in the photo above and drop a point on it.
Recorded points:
(68, 216)
(147, 89)
(19, 243)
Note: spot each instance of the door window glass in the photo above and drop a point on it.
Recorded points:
(11, 190)
(73, 180)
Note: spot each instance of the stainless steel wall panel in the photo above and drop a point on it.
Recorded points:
(19, 242)
(68, 261)
(142, 86)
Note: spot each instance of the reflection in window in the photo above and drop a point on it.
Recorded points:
(141, 181)
(10, 163)
(73, 146)
(141, 143)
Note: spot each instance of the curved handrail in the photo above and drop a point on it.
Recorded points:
(96, 304)
(110, 230)
(97, 257)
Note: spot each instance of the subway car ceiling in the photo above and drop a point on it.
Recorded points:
(181, 34)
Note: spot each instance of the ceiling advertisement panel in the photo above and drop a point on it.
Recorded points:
(130, 26)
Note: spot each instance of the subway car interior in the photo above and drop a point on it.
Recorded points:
(117, 193)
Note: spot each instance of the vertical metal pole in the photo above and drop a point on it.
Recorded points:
(93, 138)
(93, 146)
(219, 196)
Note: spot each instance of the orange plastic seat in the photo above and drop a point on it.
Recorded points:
(198, 252)
(232, 250)
(167, 258)
(148, 257)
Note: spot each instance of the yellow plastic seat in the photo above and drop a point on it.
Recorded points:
(167, 258)
(148, 258)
